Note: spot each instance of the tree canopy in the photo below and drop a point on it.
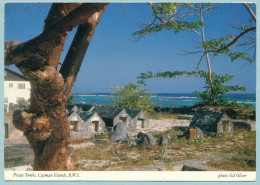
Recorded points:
(171, 16)
(132, 96)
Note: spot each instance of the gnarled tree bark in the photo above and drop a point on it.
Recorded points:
(45, 124)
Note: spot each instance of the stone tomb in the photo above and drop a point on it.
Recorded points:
(211, 122)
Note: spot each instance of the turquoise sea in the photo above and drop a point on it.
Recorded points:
(164, 99)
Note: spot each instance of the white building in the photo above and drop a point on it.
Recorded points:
(16, 88)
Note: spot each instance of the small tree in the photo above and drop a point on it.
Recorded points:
(216, 88)
(132, 96)
(171, 16)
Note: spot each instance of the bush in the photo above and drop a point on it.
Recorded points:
(132, 96)
(215, 88)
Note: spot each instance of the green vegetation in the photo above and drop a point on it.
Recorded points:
(172, 16)
(132, 96)
(239, 105)
(169, 18)
(71, 100)
(214, 88)
(244, 158)
(114, 156)
(103, 135)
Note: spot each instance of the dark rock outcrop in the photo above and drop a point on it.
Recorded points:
(147, 138)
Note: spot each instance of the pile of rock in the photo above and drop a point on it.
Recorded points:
(121, 133)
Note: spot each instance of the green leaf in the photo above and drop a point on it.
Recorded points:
(132, 96)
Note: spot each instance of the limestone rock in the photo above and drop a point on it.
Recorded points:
(120, 132)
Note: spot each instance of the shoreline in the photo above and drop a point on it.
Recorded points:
(167, 100)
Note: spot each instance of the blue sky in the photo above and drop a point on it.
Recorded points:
(113, 59)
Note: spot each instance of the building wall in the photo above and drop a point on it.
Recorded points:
(75, 117)
(141, 115)
(12, 93)
(84, 128)
(123, 113)
(101, 126)
(79, 135)
(13, 133)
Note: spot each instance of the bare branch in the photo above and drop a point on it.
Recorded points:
(185, 52)
(28, 7)
(198, 65)
(124, 8)
(196, 32)
(235, 40)
(156, 13)
(250, 11)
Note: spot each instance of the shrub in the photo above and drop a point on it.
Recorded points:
(132, 96)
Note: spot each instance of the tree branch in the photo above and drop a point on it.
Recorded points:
(250, 11)
(198, 65)
(156, 13)
(56, 13)
(45, 42)
(77, 50)
(234, 41)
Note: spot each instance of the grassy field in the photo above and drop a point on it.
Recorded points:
(115, 156)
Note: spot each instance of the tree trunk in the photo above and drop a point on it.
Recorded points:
(45, 124)
(204, 40)
(206, 53)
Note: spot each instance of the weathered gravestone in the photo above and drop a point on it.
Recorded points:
(120, 132)
(146, 138)
(211, 122)
(195, 132)
(164, 141)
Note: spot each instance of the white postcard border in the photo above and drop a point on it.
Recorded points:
(129, 176)
(6, 176)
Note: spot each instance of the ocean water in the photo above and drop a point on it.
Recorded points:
(164, 99)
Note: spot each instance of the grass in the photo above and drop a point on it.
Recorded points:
(122, 156)
(234, 164)
(116, 154)
(244, 151)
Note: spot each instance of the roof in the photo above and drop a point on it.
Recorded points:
(13, 76)
(72, 107)
(132, 113)
(84, 107)
(107, 111)
(206, 120)
(81, 107)
(85, 115)
(70, 112)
